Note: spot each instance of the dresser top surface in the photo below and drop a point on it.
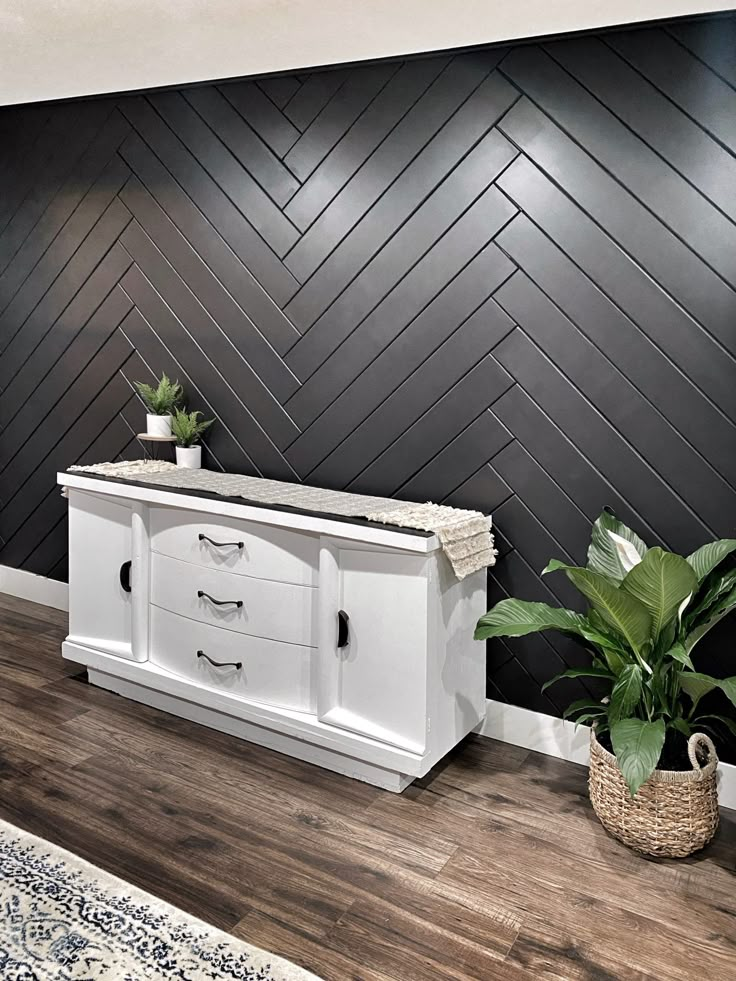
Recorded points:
(129, 488)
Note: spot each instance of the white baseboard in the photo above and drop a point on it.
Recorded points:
(39, 589)
(554, 737)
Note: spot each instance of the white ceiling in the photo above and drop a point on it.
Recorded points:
(53, 49)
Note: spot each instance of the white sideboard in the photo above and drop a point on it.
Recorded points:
(341, 642)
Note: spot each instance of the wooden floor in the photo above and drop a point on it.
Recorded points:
(492, 867)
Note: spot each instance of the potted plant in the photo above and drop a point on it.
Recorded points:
(188, 429)
(652, 772)
(160, 401)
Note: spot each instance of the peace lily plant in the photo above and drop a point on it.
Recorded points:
(648, 608)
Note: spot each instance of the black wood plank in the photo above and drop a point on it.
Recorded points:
(50, 165)
(243, 143)
(230, 408)
(666, 387)
(240, 235)
(557, 455)
(549, 504)
(306, 104)
(19, 418)
(623, 281)
(677, 139)
(418, 442)
(683, 78)
(74, 279)
(452, 466)
(206, 241)
(369, 130)
(280, 88)
(86, 172)
(713, 41)
(600, 442)
(72, 255)
(392, 414)
(665, 257)
(424, 335)
(229, 362)
(229, 316)
(346, 105)
(244, 192)
(257, 109)
(434, 135)
(683, 470)
(412, 242)
(484, 491)
(58, 444)
(158, 359)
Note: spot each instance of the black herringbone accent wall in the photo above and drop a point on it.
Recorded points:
(503, 279)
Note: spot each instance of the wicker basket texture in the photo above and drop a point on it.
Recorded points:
(674, 814)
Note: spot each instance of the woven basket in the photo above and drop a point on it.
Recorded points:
(675, 813)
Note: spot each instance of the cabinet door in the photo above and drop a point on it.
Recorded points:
(99, 547)
(376, 683)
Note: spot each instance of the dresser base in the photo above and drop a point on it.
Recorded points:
(280, 742)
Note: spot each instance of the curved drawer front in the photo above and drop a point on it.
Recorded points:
(242, 547)
(274, 610)
(269, 672)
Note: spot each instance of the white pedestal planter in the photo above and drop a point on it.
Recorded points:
(158, 425)
(189, 457)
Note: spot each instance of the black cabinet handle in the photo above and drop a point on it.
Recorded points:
(204, 538)
(221, 664)
(201, 593)
(343, 629)
(125, 576)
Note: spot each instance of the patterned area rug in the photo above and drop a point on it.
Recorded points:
(62, 919)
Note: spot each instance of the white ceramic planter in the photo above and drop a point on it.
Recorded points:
(158, 425)
(189, 457)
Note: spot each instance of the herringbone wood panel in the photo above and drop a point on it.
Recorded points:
(503, 279)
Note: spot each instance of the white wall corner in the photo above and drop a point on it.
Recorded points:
(554, 737)
(38, 589)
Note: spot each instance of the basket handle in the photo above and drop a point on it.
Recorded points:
(699, 740)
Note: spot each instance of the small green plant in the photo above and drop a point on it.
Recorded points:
(160, 401)
(187, 428)
(648, 608)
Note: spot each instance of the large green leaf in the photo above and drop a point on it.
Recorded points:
(638, 746)
(584, 705)
(678, 653)
(716, 585)
(516, 618)
(726, 722)
(661, 581)
(697, 685)
(711, 617)
(613, 548)
(708, 556)
(619, 609)
(591, 672)
(728, 687)
(626, 693)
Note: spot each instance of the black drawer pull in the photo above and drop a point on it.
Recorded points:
(204, 538)
(343, 629)
(221, 664)
(125, 576)
(201, 593)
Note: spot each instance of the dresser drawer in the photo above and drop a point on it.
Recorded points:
(269, 672)
(241, 547)
(273, 610)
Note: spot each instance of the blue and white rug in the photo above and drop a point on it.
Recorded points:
(62, 919)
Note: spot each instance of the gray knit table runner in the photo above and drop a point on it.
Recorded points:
(464, 535)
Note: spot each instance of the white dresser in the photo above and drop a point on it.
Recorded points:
(341, 642)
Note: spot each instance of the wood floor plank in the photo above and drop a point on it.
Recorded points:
(492, 867)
